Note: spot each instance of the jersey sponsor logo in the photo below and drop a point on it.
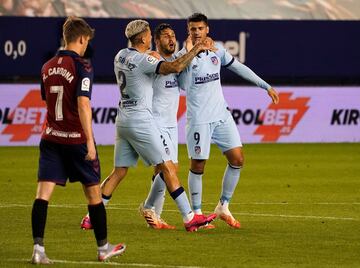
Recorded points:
(27, 118)
(128, 103)
(206, 79)
(85, 84)
(48, 130)
(171, 83)
(62, 134)
(281, 119)
(214, 60)
(151, 59)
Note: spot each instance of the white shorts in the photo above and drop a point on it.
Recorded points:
(145, 141)
(223, 133)
(170, 135)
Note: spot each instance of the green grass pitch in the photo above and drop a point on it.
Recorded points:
(299, 205)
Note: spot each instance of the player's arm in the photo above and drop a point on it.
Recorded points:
(85, 114)
(246, 73)
(84, 90)
(180, 63)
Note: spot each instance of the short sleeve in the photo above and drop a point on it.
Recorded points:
(85, 77)
(149, 64)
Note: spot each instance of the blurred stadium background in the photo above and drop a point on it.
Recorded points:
(309, 50)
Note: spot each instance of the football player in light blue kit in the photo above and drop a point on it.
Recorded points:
(136, 131)
(208, 117)
(164, 106)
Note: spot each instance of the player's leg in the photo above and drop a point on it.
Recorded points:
(160, 200)
(88, 173)
(97, 214)
(124, 157)
(156, 196)
(226, 136)
(172, 134)
(38, 220)
(151, 147)
(51, 171)
(198, 139)
(191, 220)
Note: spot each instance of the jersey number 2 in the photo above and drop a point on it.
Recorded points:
(59, 90)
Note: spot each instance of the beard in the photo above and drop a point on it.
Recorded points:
(168, 50)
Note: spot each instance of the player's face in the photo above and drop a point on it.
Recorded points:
(198, 31)
(167, 42)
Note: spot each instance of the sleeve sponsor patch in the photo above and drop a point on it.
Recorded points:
(151, 59)
(85, 84)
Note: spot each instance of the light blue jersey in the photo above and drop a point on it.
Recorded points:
(134, 74)
(201, 79)
(166, 99)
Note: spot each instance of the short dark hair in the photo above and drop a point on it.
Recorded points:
(197, 17)
(75, 27)
(159, 28)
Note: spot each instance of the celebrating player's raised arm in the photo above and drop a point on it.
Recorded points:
(179, 64)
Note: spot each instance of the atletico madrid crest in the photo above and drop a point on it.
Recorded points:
(214, 60)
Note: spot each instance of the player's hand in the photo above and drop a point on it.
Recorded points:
(91, 154)
(273, 95)
(206, 44)
(211, 43)
(155, 54)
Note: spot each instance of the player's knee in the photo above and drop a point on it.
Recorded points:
(197, 166)
(119, 173)
(168, 169)
(238, 161)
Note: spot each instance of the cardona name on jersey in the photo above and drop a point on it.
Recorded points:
(206, 79)
(171, 83)
(59, 71)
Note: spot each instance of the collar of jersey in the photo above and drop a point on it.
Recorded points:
(67, 53)
(134, 49)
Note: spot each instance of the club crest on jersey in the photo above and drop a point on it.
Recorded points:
(151, 59)
(167, 151)
(85, 84)
(214, 60)
(197, 149)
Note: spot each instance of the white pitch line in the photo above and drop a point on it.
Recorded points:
(113, 207)
(284, 216)
(295, 216)
(110, 263)
(285, 203)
